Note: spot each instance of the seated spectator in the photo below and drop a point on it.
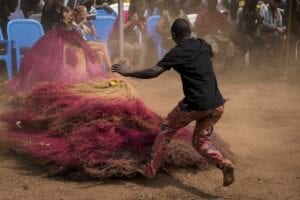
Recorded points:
(90, 6)
(211, 21)
(272, 28)
(6, 7)
(233, 6)
(134, 46)
(51, 13)
(238, 13)
(272, 17)
(215, 28)
(247, 29)
(30, 7)
(172, 10)
(86, 27)
(134, 34)
(135, 27)
(263, 3)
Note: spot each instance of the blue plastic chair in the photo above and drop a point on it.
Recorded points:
(7, 57)
(104, 25)
(23, 33)
(103, 12)
(152, 23)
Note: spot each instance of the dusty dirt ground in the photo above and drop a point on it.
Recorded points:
(261, 124)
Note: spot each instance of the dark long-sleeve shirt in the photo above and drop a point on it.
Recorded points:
(192, 60)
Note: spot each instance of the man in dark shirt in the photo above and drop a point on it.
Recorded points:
(202, 103)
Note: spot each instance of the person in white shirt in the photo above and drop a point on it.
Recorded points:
(272, 17)
(85, 28)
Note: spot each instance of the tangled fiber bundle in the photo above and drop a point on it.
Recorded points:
(97, 129)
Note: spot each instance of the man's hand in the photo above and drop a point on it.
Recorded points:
(119, 69)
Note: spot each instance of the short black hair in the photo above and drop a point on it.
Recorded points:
(181, 27)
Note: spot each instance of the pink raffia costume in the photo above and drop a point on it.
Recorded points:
(61, 55)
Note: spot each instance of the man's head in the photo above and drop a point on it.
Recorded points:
(180, 30)
(212, 4)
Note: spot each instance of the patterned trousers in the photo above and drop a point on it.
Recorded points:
(179, 117)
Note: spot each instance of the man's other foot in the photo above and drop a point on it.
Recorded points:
(228, 174)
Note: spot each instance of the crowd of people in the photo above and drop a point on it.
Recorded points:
(231, 27)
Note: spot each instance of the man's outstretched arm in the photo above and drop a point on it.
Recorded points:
(142, 74)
